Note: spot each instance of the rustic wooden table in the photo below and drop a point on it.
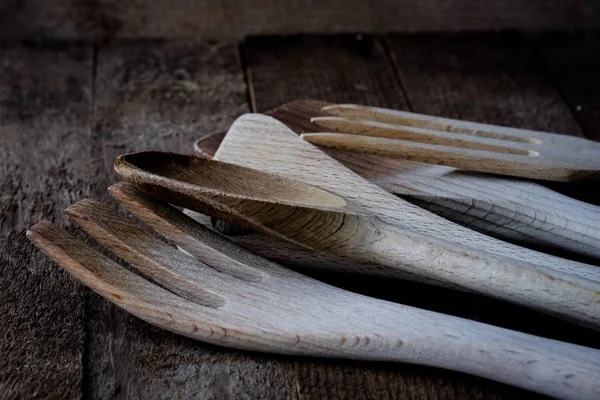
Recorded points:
(66, 110)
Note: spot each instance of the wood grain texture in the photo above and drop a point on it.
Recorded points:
(162, 95)
(72, 19)
(344, 69)
(457, 143)
(316, 378)
(572, 60)
(274, 309)
(312, 67)
(495, 246)
(298, 77)
(361, 222)
(492, 78)
(45, 95)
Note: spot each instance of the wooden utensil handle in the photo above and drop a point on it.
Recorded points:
(575, 296)
(542, 365)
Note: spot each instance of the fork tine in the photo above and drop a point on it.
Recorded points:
(474, 160)
(405, 118)
(176, 271)
(119, 285)
(201, 242)
(402, 132)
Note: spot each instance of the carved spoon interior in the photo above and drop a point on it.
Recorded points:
(326, 222)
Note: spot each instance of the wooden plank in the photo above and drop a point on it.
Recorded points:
(572, 60)
(331, 69)
(352, 69)
(164, 95)
(361, 380)
(72, 19)
(44, 155)
(484, 78)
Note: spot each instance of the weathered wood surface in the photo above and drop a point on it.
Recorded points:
(45, 97)
(162, 96)
(572, 60)
(73, 19)
(493, 78)
(153, 95)
(345, 69)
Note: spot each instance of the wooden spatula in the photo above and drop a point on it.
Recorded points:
(262, 143)
(466, 145)
(512, 209)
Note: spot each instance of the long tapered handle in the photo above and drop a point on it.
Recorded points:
(570, 294)
(542, 365)
(400, 333)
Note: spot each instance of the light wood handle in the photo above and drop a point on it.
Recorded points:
(308, 317)
(542, 365)
(575, 296)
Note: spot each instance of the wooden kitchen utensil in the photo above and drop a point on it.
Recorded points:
(262, 143)
(460, 144)
(231, 297)
(508, 208)
(326, 222)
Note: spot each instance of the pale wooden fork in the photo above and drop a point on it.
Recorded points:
(461, 144)
(230, 297)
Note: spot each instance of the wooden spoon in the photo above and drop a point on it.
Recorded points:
(511, 209)
(326, 222)
(261, 143)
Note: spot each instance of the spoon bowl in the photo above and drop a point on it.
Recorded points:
(267, 202)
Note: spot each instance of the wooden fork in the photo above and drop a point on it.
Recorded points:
(466, 145)
(230, 297)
